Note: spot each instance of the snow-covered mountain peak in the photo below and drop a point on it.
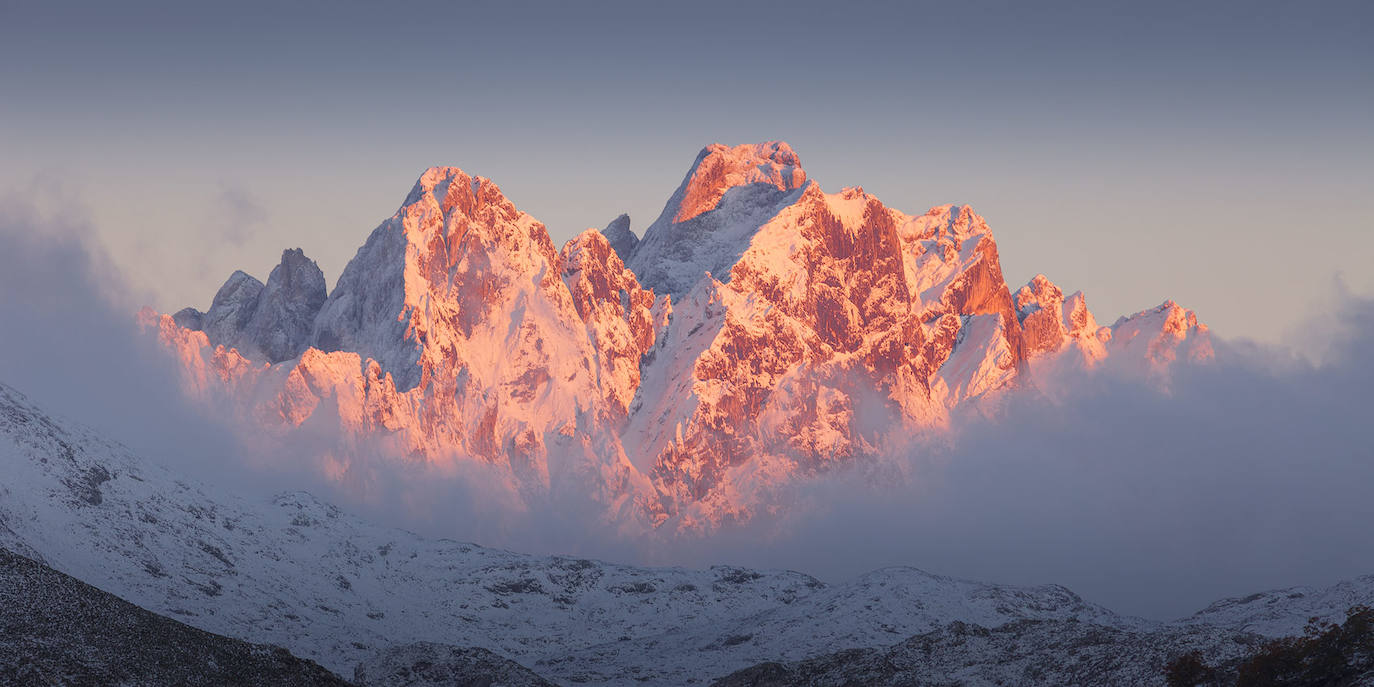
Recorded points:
(436, 181)
(719, 168)
(1053, 323)
(727, 194)
(456, 250)
(956, 222)
(1157, 337)
(458, 202)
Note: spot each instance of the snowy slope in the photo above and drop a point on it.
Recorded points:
(299, 573)
(1285, 612)
(727, 195)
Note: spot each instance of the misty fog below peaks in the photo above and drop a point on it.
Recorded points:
(1251, 471)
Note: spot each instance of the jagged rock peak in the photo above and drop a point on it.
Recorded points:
(1161, 335)
(190, 319)
(1038, 294)
(1178, 317)
(708, 222)
(454, 189)
(1050, 320)
(287, 306)
(436, 177)
(621, 238)
(271, 321)
(957, 222)
(1040, 305)
(232, 308)
(615, 310)
(444, 263)
(297, 273)
(719, 168)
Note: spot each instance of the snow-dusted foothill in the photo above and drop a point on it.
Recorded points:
(298, 573)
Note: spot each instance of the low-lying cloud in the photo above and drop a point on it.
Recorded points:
(1251, 472)
(69, 341)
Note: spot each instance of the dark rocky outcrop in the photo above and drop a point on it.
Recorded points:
(428, 664)
(190, 318)
(55, 629)
(1027, 652)
(620, 237)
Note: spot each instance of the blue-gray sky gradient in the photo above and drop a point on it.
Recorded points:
(1218, 154)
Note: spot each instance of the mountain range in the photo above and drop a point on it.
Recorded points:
(760, 333)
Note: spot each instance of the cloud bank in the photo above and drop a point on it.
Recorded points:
(1250, 473)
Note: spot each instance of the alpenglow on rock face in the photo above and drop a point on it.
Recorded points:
(760, 332)
(726, 196)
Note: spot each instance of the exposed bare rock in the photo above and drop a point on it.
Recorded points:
(621, 238)
(1054, 325)
(271, 322)
(232, 309)
(838, 311)
(285, 316)
(189, 319)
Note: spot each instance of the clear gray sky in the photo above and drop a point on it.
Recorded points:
(1220, 154)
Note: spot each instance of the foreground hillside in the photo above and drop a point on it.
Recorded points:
(60, 631)
(329, 587)
(302, 574)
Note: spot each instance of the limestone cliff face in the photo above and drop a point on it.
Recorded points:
(762, 331)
